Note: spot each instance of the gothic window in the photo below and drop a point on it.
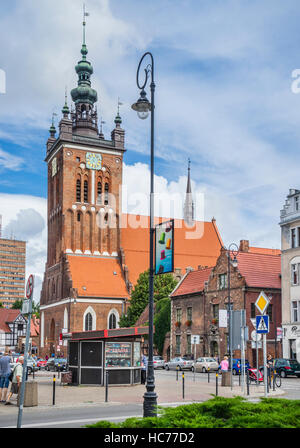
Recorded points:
(78, 217)
(86, 191)
(99, 192)
(106, 194)
(88, 325)
(112, 321)
(78, 190)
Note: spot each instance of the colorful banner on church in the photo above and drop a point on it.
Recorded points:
(164, 247)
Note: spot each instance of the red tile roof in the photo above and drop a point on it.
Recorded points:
(34, 327)
(193, 282)
(7, 316)
(264, 250)
(260, 270)
(203, 250)
(101, 276)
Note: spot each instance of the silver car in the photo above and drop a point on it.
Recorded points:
(203, 364)
(179, 363)
(158, 362)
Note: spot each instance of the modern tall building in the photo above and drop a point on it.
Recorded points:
(290, 271)
(12, 271)
(95, 252)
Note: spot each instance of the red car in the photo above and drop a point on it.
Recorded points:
(41, 363)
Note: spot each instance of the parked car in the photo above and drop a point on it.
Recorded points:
(158, 362)
(203, 364)
(56, 364)
(237, 366)
(180, 362)
(41, 364)
(285, 367)
(31, 364)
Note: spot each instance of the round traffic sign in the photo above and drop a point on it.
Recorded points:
(255, 336)
(29, 287)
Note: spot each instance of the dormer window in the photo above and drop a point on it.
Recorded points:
(297, 203)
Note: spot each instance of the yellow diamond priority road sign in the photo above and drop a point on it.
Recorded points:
(262, 302)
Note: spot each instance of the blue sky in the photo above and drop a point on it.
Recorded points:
(223, 72)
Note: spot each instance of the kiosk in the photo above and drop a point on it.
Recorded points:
(93, 353)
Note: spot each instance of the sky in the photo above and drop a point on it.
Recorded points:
(224, 98)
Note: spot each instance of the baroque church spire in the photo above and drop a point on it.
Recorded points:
(188, 211)
(84, 96)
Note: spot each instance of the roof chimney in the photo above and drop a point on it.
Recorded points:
(188, 269)
(244, 246)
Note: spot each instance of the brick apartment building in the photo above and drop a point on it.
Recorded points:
(95, 252)
(12, 271)
(202, 293)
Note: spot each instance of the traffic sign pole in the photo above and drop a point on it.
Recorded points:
(265, 363)
(29, 293)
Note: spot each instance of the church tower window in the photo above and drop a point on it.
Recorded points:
(78, 190)
(88, 326)
(86, 191)
(106, 194)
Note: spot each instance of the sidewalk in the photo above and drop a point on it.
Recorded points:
(167, 388)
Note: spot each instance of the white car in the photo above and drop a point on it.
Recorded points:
(179, 363)
(158, 362)
(203, 364)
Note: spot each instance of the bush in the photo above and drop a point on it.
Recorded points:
(220, 412)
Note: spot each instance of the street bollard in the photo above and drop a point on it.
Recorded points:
(217, 383)
(33, 373)
(183, 385)
(58, 370)
(248, 382)
(268, 381)
(240, 374)
(106, 386)
(53, 398)
(208, 377)
(177, 368)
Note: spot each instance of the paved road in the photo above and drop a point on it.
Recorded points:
(76, 417)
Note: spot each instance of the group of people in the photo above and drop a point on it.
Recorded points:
(7, 376)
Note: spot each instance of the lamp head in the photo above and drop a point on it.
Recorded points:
(234, 262)
(142, 106)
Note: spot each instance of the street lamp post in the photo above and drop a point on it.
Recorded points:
(232, 250)
(143, 107)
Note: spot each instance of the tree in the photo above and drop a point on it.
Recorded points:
(17, 305)
(1, 305)
(163, 286)
(162, 322)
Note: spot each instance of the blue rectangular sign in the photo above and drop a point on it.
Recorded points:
(262, 324)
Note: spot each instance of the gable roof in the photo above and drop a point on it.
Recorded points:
(100, 276)
(7, 316)
(260, 270)
(192, 283)
(203, 250)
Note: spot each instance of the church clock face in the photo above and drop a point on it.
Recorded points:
(93, 161)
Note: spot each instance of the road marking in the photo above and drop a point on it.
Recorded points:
(86, 420)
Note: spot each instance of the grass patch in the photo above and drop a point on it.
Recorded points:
(220, 412)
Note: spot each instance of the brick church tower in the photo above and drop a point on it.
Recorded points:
(84, 286)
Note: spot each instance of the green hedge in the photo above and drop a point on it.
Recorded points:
(220, 412)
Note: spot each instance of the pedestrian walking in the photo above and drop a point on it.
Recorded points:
(270, 364)
(144, 369)
(5, 371)
(16, 379)
(224, 364)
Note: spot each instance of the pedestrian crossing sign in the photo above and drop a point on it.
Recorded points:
(262, 324)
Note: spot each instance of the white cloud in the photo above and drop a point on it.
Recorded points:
(9, 161)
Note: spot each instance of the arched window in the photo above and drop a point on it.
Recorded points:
(99, 192)
(86, 191)
(112, 322)
(88, 324)
(78, 216)
(78, 190)
(106, 194)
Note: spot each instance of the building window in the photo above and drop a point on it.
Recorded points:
(296, 203)
(86, 191)
(78, 190)
(178, 314)
(189, 313)
(293, 238)
(295, 274)
(99, 192)
(295, 310)
(215, 311)
(188, 344)
(20, 327)
(78, 216)
(178, 344)
(270, 312)
(222, 281)
(88, 325)
(253, 312)
(106, 194)
(112, 321)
